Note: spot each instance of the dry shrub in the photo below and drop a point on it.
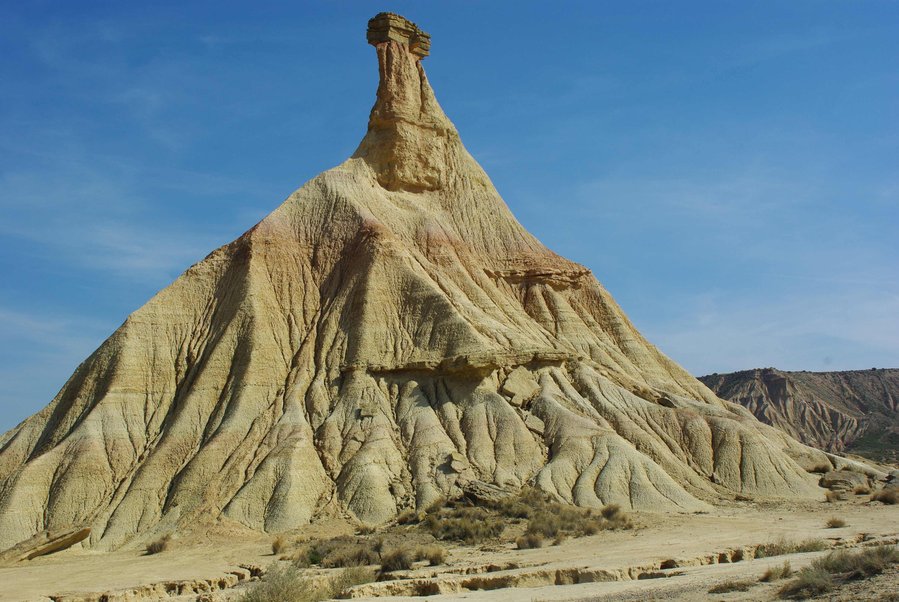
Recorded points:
(776, 573)
(160, 545)
(469, 525)
(835, 522)
(544, 524)
(435, 555)
(865, 563)
(732, 586)
(809, 582)
(833, 496)
(611, 512)
(554, 520)
(821, 468)
(282, 583)
(886, 496)
(278, 545)
(436, 505)
(399, 559)
(407, 517)
(546, 517)
(781, 547)
(824, 574)
(524, 505)
(340, 552)
(287, 583)
(347, 578)
(529, 541)
(590, 526)
(861, 490)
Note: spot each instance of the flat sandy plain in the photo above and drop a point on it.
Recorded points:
(702, 550)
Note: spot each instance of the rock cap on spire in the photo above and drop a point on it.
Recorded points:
(390, 26)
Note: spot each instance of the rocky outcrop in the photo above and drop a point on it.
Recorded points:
(386, 336)
(844, 480)
(44, 543)
(855, 411)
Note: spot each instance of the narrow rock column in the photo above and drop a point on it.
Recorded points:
(408, 134)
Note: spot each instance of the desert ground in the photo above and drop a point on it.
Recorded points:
(664, 557)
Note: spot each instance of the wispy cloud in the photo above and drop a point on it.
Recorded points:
(38, 350)
(61, 336)
(841, 330)
(101, 214)
(773, 47)
(770, 268)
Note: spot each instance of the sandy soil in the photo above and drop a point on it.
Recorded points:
(683, 540)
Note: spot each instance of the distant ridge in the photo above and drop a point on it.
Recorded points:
(853, 411)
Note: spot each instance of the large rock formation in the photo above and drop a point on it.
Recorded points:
(854, 411)
(387, 335)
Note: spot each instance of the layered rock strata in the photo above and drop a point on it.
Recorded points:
(385, 337)
(852, 411)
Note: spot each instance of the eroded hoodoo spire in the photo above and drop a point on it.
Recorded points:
(409, 137)
(390, 26)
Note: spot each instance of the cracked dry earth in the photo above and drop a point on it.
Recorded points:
(698, 551)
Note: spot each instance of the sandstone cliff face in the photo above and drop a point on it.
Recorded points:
(386, 335)
(853, 411)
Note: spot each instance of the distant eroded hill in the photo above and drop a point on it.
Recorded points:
(853, 411)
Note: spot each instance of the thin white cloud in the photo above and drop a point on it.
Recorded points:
(843, 330)
(38, 352)
(98, 213)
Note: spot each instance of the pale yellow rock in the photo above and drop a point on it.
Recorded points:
(332, 359)
(520, 386)
(44, 543)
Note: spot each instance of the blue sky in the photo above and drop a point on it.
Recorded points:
(728, 170)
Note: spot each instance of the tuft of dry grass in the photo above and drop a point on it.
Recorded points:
(407, 517)
(524, 505)
(399, 559)
(824, 574)
(529, 541)
(435, 555)
(861, 490)
(279, 544)
(781, 547)
(278, 584)
(611, 512)
(776, 573)
(341, 552)
(833, 496)
(810, 581)
(835, 522)
(557, 519)
(466, 524)
(287, 583)
(821, 468)
(545, 517)
(347, 578)
(436, 505)
(732, 586)
(886, 496)
(160, 545)
(864, 563)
